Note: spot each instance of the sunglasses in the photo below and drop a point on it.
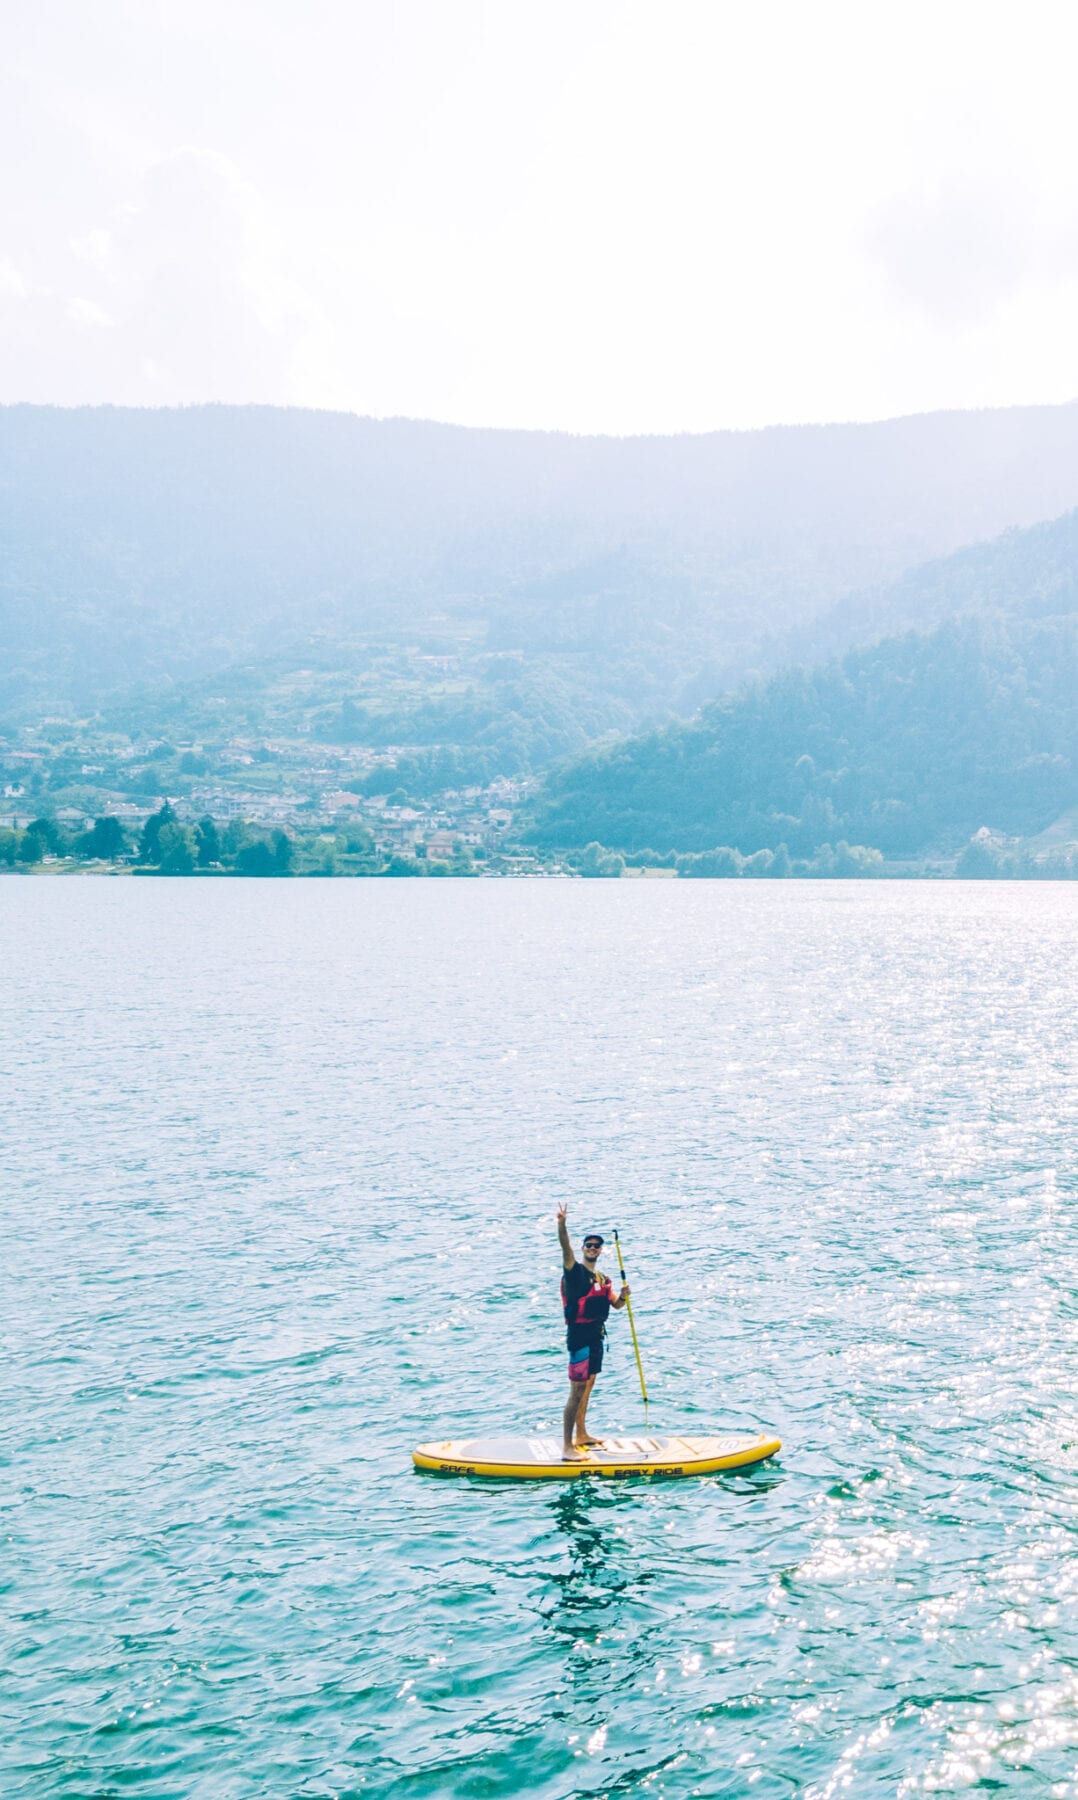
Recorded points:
(593, 1243)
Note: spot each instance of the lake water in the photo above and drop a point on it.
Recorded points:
(281, 1162)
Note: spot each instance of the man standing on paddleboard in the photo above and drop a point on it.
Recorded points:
(587, 1296)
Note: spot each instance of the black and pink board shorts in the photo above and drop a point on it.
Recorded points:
(585, 1360)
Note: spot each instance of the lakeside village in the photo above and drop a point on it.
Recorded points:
(250, 807)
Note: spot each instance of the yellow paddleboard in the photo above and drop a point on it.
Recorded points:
(540, 1458)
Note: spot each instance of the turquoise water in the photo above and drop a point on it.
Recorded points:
(281, 1163)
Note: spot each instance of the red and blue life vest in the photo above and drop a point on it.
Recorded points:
(591, 1308)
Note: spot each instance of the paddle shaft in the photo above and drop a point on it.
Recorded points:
(632, 1322)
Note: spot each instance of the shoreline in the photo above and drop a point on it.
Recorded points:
(105, 871)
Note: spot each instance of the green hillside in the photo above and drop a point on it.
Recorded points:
(914, 743)
(1030, 574)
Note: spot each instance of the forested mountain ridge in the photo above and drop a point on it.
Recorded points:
(910, 745)
(907, 743)
(914, 743)
(460, 586)
(1031, 573)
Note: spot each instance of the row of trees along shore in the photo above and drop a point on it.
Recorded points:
(857, 860)
(985, 858)
(165, 846)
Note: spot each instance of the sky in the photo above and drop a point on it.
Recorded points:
(582, 215)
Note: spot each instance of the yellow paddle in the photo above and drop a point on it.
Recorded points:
(632, 1326)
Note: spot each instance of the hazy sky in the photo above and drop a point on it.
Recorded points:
(601, 215)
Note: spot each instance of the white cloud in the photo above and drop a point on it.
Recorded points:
(87, 312)
(13, 284)
(191, 277)
(200, 274)
(961, 247)
(95, 248)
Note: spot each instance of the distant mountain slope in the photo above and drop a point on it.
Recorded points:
(905, 742)
(1026, 574)
(914, 743)
(159, 547)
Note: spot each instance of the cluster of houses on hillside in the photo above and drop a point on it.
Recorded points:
(474, 818)
(467, 819)
(295, 787)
